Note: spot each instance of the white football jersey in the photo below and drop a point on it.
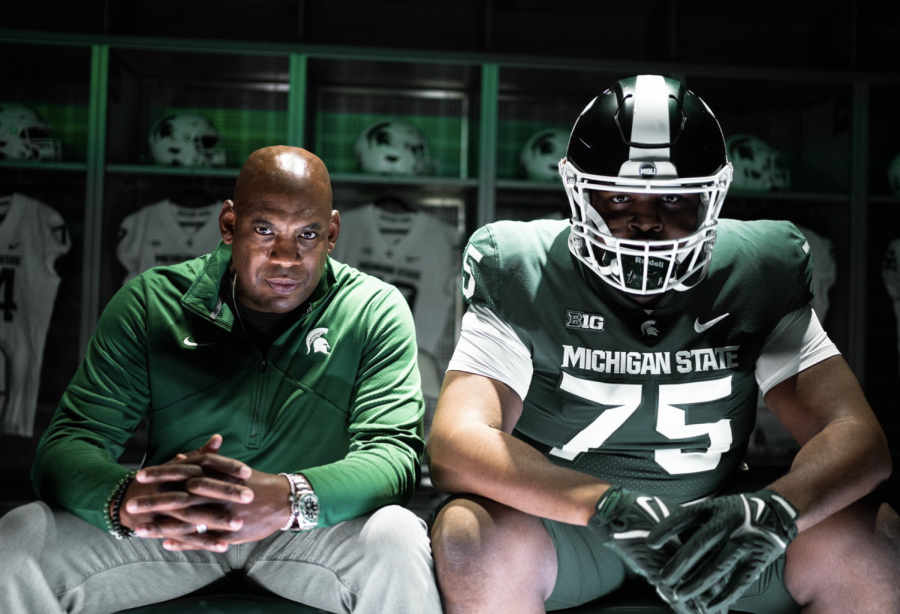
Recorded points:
(890, 274)
(414, 251)
(164, 233)
(32, 237)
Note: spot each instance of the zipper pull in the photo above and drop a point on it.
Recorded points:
(264, 365)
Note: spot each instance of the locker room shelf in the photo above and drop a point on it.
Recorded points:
(789, 195)
(884, 200)
(44, 166)
(183, 171)
(403, 180)
(522, 184)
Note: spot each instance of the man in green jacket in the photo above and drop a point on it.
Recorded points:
(284, 411)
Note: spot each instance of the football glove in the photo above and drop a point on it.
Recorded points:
(734, 538)
(623, 521)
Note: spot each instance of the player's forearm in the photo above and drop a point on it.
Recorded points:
(485, 461)
(842, 463)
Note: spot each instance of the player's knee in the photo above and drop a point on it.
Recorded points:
(461, 537)
(849, 553)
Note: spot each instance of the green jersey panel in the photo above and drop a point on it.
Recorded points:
(661, 402)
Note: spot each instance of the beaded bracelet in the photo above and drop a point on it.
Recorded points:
(114, 503)
(295, 510)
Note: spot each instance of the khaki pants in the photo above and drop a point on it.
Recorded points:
(52, 561)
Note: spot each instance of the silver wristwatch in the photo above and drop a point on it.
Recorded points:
(304, 504)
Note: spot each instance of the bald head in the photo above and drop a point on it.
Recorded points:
(283, 170)
(281, 227)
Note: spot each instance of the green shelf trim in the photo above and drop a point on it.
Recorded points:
(93, 196)
(297, 100)
(403, 180)
(882, 199)
(184, 171)
(44, 166)
(530, 186)
(816, 196)
(487, 145)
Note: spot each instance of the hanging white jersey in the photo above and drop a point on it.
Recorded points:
(415, 251)
(825, 271)
(890, 274)
(164, 233)
(32, 237)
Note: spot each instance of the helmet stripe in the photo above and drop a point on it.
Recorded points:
(651, 119)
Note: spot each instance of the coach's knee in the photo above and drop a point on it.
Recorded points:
(398, 533)
(23, 531)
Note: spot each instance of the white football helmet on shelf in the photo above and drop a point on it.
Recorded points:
(25, 136)
(755, 164)
(393, 147)
(541, 154)
(893, 173)
(645, 135)
(185, 139)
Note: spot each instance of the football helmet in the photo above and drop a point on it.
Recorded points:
(185, 139)
(541, 154)
(755, 164)
(393, 147)
(24, 135)
(645, 135)
(893, 173)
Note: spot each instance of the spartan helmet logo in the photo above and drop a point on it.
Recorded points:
(316, 341)
(186, 139)
(393, 147)
(755, 164)
(894, 175)
(24, 135)
(649, 328)
(541, 154)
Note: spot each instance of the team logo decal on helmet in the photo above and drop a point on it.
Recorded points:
(755, 164)
(393, 147)
(893, 174)
(185, 139)
(541, 153)
(25, 136)
(645, 135)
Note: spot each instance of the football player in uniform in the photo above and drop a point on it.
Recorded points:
(595, 414)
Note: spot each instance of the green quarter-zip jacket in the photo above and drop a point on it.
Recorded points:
(337, 397)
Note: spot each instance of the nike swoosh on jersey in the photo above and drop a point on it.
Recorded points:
(191, 344)
(14, 245)
(702, 327)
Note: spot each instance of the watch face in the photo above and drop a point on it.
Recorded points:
(309, 507)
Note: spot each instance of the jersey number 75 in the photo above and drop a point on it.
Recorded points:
(670, 421)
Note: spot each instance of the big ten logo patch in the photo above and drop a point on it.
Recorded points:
(584, 321)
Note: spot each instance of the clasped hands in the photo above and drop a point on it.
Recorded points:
(700, 558)
(229, 502)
